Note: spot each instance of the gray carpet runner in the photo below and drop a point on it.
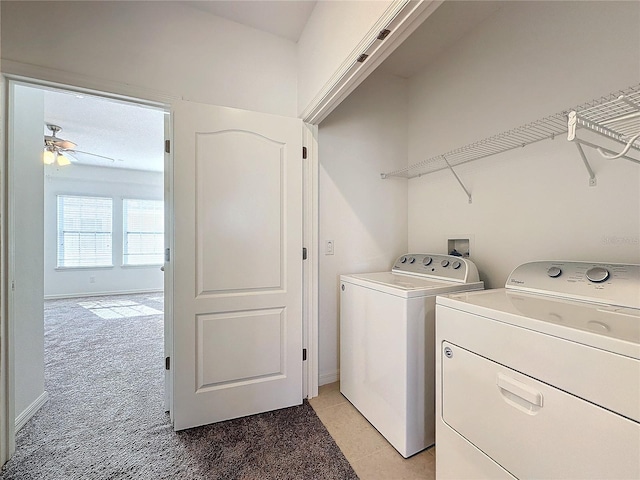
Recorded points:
(105, 417)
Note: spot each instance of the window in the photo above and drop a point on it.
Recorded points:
(143, 232)
(84, 231)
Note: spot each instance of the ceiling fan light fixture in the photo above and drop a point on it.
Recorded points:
(48, 157)
(62, 160)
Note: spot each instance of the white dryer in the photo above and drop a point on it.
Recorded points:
(541, 379)
(387, 355)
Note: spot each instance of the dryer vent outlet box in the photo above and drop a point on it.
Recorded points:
(458, 246)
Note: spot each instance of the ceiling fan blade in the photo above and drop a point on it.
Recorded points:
(96, 155)
(59, 142)
(66, 144)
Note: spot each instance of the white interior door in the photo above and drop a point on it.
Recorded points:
(236, 263)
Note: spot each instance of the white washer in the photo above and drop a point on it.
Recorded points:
(387, 322)
(541, 379)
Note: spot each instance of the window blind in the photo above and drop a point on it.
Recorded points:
(143, 232)
(84, 231)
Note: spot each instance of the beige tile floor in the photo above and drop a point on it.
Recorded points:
(370, 455)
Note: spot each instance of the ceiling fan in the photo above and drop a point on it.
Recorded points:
(61, 151)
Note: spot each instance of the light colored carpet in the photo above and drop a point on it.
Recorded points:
(105, 417)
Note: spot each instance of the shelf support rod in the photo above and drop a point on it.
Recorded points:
(592, 175)
(457, 177)
(592, 145)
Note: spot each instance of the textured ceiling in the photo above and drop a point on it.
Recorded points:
(132, 135)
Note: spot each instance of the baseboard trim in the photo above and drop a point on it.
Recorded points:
(326, 378)
(100, 294)
(31, 410)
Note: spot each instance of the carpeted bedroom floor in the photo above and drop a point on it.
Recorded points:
(105, 418)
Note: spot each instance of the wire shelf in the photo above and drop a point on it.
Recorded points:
(616, 116)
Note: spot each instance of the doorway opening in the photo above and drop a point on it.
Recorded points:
(86, 236)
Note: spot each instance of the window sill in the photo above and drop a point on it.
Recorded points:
(155, 265)
(101, 267)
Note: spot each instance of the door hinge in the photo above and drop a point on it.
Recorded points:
(384, 34)
(167, 146)
(304, 253)
(362, 58)
(167, 254)
(304, 152)
(304, 354)
(167, 363)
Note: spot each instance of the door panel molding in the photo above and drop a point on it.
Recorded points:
(240, 212)
(224, 365)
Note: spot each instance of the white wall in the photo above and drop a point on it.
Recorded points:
(26, 259)
(101, 182)
(530, 60)
(365, 217)
(331, 34)
(164, 47)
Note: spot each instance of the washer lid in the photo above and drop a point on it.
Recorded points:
(408, 285)
(400, 281)
(611, 328)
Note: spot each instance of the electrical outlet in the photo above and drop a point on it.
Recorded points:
(328, 247)
(92, 279)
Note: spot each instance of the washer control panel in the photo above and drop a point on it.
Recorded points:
(434, 265)
(610, 283)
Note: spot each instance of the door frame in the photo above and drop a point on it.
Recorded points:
(7, 359)
(48, 78)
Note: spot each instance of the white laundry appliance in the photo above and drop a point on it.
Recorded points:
(387, 354)
(541, 379)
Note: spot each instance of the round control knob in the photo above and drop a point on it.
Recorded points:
(456, 265)
(444, 263)
(554, 272)
(427, 261)
(403, 260)
(597, 274)
(412, 260)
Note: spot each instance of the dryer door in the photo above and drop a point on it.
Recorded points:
(530, 428)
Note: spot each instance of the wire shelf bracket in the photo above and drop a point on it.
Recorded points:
(592, 176)
(457, 178)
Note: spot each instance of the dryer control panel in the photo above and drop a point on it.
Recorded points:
(607, 283)
(448, 267)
